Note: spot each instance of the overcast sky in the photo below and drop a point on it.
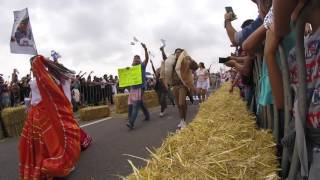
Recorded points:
(96, 34)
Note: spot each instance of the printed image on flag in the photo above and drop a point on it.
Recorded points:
(22, 41)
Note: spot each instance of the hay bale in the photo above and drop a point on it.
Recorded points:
(121, 103)
(94, 112)
(150, 98)
(13, 120)
(222, 142)
(1, 128)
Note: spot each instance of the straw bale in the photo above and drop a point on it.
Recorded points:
(13, 120)
(222, 142)
(121, 103)
(94, 112)
(1, 128)
(150, 98)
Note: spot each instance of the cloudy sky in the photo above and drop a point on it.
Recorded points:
(96, 34)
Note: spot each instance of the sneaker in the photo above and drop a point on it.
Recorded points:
(180, 124)
(183, 125)
(161, 114)
(130, 126)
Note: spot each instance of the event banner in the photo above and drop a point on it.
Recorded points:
(21, 41)
(130, 76)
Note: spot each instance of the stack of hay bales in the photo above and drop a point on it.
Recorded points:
(13, 120)
(222, 142)
(150, 98)
(94, 112)
(121, 103)
(1, 128)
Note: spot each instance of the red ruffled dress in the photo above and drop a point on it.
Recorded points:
(49, 143)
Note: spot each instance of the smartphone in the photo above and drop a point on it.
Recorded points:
(223, 60)
(229, 9)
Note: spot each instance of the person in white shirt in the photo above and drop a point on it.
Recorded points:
(202, 75)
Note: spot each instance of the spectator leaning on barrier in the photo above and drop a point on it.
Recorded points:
(248, 37)
(285, 12)
(237, 37)
(243, 64)
(24, 87)
(135, 99)
(5, 96)
(14, 76)
(255, 39)
(15, 94)
(113, 82)
(116, 79)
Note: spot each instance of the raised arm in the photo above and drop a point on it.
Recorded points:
(153, 69)
(164, 56)
(238, 59)
(79, 73)
(229, 28)
(244, 68)
(146, 60)
(82, 75)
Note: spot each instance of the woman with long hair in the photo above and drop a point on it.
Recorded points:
(50, 141)
(202, 75)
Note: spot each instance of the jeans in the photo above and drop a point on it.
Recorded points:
(170, 96)
(134, 109)
(162, 99)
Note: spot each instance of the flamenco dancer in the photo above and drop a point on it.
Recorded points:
(50, 140)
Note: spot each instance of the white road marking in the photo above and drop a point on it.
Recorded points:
(95, 122)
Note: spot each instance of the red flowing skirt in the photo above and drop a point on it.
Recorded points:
(50, 140)
(85, 140)
(45, 150)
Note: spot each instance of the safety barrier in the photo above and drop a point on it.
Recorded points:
(95, 94)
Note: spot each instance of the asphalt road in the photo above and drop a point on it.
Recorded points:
(106, 158)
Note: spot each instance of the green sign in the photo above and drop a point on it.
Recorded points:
(130, 76)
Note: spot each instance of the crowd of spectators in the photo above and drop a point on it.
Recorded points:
(264, 48)
(85, 90)
(14, 91)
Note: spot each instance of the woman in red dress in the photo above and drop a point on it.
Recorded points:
(49, 144)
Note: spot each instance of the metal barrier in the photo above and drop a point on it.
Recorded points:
(94, 94)
(270, 118)
(300, 158)
(287, 108)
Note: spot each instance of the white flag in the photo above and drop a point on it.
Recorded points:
(163, 42)
(22, 41)
(135, 39)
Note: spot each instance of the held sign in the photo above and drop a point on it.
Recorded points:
(130, 76)
(22, 41)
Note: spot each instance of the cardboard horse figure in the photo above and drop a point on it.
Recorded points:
(184, 67)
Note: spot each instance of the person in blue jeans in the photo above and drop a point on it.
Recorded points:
(135, 99)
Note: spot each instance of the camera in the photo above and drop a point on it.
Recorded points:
(229, 9)
(223, 60)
